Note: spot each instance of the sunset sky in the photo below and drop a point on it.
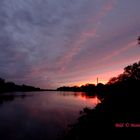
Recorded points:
(51, 43)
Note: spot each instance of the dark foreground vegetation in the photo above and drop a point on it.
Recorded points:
(11, 87)
(119, 109)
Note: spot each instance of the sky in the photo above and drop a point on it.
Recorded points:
(51, 43)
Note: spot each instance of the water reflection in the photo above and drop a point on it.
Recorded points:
(44, 115)
(87, 99)
(8, 97)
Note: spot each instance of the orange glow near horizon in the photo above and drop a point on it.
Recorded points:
(102, 78)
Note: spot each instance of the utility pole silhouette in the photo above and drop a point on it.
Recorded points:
(97, 80)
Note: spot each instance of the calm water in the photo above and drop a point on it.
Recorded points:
(40, 115)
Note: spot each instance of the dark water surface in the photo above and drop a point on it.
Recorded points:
(40, 115)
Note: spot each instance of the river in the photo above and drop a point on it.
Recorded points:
(40, 115)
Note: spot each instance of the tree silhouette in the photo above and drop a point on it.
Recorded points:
(11, 86)
(139, 40)
(120, 104)
(2, 81)
(131, 73)
(113, 80)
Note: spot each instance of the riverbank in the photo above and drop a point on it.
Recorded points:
(118, 111)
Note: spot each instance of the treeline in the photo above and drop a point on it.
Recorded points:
(85, 88)
(11, 86)
(129, 78)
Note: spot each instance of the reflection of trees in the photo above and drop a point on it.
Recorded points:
(85, 95)
(8, 98)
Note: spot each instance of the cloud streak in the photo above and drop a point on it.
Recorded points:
(84, 36)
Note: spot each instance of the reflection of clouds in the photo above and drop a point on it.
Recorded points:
(41, 115)
(56, 109)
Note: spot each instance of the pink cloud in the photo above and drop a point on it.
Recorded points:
(123, 49)
(107, 8)
(85, 36)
